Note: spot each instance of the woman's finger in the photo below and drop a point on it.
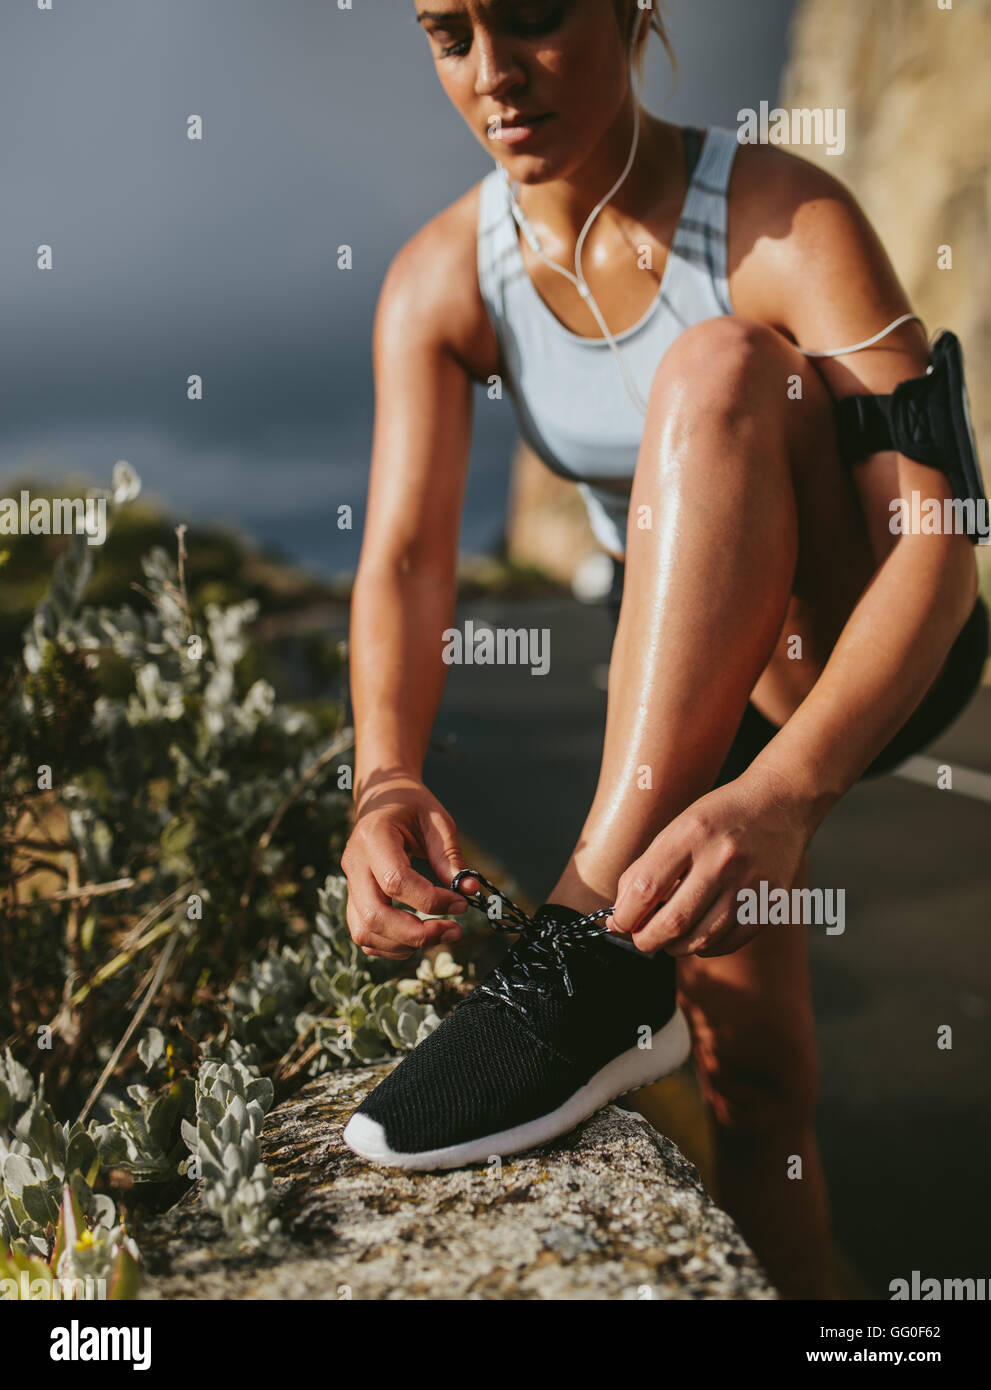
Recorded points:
(678, 917)
(378, 924)
(373, 943)
(386, 857)
(440, 840)
(709, 929)
(364, 936)
(650, 880)
(381, 954)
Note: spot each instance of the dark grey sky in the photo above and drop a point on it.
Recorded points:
(218, 257)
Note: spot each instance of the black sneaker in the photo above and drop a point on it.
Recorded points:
(567, 1022)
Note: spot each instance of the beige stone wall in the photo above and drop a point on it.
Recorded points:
(914, 81)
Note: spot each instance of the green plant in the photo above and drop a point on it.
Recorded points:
(231, 1102)
(172, 921)
(39, 1159)
(85, 1262)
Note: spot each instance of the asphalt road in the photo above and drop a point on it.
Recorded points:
(904, 1126)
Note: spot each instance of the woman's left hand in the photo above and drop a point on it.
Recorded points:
(681, 894)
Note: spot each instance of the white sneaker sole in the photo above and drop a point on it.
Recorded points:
(670, 1047)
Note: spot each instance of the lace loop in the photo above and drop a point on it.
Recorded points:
(545, 938)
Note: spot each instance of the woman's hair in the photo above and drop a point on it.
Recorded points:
(634, 16)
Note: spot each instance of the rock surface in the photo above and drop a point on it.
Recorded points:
(913, 82)
(612, 1211)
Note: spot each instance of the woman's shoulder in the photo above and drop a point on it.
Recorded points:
(786, 214)
(776, 179)
(432, 283)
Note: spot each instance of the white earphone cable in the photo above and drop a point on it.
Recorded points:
(868, 342)
(578, 278)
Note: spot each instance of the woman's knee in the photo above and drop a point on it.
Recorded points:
(716, 355)
(732, 366)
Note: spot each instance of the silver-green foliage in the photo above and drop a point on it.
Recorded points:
(177, 783)
(361, 1021)
(231, 1102)
(38, 1156)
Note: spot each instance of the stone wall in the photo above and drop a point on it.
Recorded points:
(913, 80)
(611, 1211)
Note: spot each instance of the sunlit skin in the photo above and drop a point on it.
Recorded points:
(758, 534)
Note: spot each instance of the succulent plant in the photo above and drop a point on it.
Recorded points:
(372, 1020)
(231, 1103)
(274, 1003)
(432, 976)
(143, 1139)
(176, 770)
(38, 1157)
(87, 1261)
(371, 1024)
(47, 1172)
(263, 1005)
(16, 1089)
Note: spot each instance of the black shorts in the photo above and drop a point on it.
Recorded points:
(953, 691)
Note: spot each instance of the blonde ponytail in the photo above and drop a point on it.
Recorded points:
(656, 27)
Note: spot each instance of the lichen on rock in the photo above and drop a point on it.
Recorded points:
(610, 1211)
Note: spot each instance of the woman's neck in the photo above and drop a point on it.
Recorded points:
(560, 207)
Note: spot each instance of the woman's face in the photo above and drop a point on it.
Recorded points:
(538, 82)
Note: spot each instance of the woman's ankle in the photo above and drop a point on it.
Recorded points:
(571, 890)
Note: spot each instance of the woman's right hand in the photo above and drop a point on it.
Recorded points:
(398, 817)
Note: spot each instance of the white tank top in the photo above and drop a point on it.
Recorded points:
(572, 407)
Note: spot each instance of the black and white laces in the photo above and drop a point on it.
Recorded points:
(543, 963)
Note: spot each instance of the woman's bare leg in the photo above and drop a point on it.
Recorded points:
(736, 484)
(755, 1059)
(743, 531)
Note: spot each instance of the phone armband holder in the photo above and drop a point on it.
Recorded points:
(926, 419)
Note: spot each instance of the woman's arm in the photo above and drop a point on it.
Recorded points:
(404, 591)
(825, 283)
(821, 277)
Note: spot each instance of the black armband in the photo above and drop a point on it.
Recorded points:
(926, 419)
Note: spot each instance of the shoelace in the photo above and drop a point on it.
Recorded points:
(545, 938)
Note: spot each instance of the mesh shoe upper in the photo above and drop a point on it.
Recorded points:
(492, 1065)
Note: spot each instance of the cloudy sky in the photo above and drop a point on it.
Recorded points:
(218, 257)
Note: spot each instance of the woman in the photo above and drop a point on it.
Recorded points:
(774, 639)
